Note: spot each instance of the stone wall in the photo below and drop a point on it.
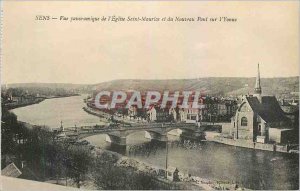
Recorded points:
(275, 135)
(251, 145)
(227, 128)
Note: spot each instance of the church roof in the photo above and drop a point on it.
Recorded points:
(269, 109)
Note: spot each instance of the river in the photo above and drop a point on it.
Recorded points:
(51, 112)
(253, 169)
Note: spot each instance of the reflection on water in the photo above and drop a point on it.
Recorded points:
(251, 168)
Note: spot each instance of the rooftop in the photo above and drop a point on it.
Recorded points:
(269, 109)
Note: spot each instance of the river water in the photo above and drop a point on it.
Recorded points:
(253, 169)
(51, 112)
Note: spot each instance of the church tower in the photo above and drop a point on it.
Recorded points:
(257, 88)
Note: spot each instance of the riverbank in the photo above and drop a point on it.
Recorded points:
(10, 106)
(215, 137)
(186, 182)
(96, 113)
(101, 114)
(14, 105)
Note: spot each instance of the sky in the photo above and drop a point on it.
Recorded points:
(266, 32)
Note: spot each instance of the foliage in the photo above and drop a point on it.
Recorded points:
(9, 129)
(108, 176)
(79, 160)
(44, 154)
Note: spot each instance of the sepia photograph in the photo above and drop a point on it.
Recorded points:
(149, 95)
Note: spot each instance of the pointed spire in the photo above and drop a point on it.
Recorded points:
(257, 88)
(61, 126)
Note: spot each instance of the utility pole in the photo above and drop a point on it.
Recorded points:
(167, 150)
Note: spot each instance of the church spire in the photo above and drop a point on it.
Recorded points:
(257, 88)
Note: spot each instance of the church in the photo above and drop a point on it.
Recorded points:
(260, 119)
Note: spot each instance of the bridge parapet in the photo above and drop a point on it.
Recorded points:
(157, 131)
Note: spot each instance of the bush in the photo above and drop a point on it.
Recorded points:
(108, 176)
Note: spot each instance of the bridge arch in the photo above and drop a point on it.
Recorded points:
(152, 131)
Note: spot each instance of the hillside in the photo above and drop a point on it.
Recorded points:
(218, 86)
(221, 86)
(48, 87)
(45, 85)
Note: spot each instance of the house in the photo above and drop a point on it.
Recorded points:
(192, 115)
(173, 113)
(157, 114)
(188, 115)
(288, 107)
(132, 112)
(172, 174)
(151, 114)
(162, 115)
(218, 110)
(260, 119)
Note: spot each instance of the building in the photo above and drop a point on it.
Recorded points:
(157, 114)
(174, 113)
(192, 115)
(132, 112)
(261, 119)
(172, 174)
(163, 115)
(218, 110)
(151, 114)
(289, 106)
(212, 110)
(189, 115)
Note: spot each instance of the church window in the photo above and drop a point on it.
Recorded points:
(244, 121)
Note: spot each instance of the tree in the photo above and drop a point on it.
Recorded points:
(109, 176)
(11, 134)
(78, 163)
(104, 173)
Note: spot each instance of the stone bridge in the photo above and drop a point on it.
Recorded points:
(156, 131)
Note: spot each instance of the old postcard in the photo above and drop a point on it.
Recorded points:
(149, 95)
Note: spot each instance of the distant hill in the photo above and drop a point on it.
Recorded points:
(44, 85)
(217, 86)
(36, 87)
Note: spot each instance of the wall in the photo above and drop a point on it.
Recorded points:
(244, 132)
(282, 136)
(274, 135)
(210, 135)
(227, 128)
(249, 144)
